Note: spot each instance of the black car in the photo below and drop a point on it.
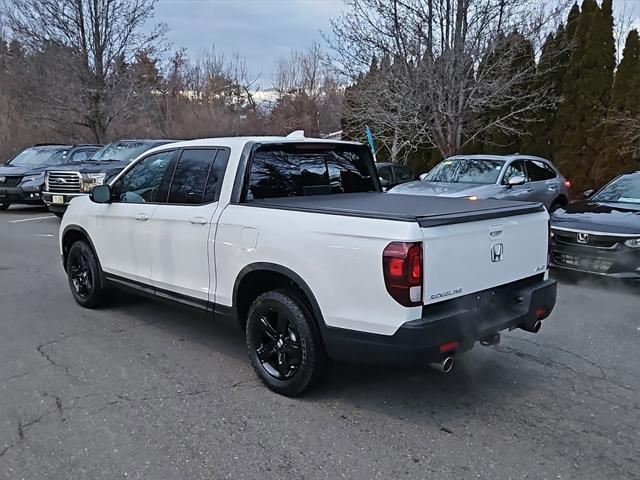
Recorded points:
(22, 177)
(601, 234)
(392, 174)
(62, 184)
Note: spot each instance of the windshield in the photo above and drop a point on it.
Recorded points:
(121, 151)
(466, 170)
(40, 156)
(623, 190)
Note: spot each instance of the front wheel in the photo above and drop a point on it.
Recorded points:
(4, 206)
(83, 273)
(283, 343)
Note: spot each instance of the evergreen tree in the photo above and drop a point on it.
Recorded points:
(552, 68)
(513, 54)
(578, 133)
(625, 101)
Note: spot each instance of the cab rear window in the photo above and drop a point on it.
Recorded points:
(293, 171)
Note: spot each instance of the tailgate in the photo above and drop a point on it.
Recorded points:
(464, 258)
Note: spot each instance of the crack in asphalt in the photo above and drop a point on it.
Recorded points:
(6, 449)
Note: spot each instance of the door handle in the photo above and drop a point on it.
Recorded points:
(198, 221)
(143, 217)
(553, 188)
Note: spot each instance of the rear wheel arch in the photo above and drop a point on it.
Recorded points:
(258, 278)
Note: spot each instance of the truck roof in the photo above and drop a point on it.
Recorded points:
(239, 142)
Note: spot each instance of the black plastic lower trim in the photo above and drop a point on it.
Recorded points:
(150, 290)
(464, 320)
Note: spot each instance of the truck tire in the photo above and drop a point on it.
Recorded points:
(283, 343)
(4, 206)
(83, 273)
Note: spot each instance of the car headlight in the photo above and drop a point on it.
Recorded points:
(472, 197)
(633, 243)
(90, 180)
(33, 178)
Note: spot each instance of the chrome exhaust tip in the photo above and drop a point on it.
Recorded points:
(532, 327)
(445, 365)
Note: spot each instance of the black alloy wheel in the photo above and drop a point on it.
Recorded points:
(83, 272)
(284, 344)
(80, 273)
(276, 345)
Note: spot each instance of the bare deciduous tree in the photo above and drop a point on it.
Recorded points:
(309, 96)
(444, 65)
(89, 45)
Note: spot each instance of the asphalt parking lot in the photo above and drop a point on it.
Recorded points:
(146, 390)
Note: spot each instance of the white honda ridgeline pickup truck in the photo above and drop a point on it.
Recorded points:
(295, 239)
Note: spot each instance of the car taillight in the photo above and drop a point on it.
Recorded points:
(567, 183)
(402, 266)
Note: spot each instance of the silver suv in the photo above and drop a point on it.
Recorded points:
(508, 177)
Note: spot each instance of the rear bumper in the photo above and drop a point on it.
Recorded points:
(617, 262)
(464, 320)
(48, 197)
(20, 195)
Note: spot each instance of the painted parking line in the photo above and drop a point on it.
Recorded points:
(43, 235)
(32, 219)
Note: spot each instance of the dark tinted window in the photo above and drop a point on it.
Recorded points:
(539, 171)
(385, 173)
(190, 176)
(216, 174)
(142, 184)
(515, 169)
(403, 174)
(292, 171)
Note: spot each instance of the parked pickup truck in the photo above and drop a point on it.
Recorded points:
(294, 238)
(64, 183)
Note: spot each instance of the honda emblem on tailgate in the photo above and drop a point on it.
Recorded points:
(496, 252)
(583, 237)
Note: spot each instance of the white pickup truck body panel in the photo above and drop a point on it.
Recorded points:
(338, 256)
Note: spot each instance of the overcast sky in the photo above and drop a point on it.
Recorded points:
(261, 31)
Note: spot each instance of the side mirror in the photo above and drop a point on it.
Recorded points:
(587, 194)
(423, 176)
(101, 194)
(516, 180)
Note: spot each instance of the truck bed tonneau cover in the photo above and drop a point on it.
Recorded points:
(427, 211)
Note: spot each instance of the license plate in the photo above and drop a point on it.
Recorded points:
(57, 199)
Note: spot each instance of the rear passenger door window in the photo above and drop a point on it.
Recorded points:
(197, 176)
(539, 171)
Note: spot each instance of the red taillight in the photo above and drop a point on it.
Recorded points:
(402, 266)
(447, 347)
(567, 183)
